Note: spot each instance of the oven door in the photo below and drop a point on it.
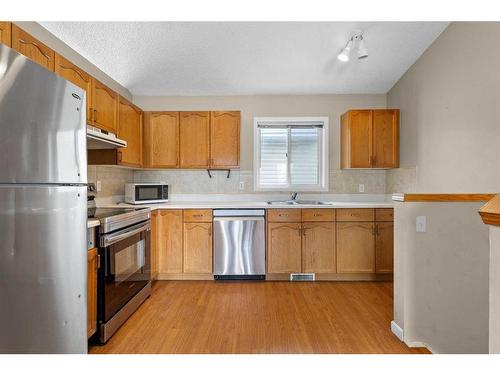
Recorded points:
(126, 267)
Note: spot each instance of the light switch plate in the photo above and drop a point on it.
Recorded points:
(361, 188)
(421, 224)
(242, 185)
(98, 185)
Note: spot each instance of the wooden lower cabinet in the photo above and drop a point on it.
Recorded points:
(284, 247)
(92, 267)
(154, 244)
(384, 247)
(318, 247)
(197, 248)
(170, 242)
(356, 247)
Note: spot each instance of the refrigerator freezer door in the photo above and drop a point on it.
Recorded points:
(42, 124)
(43, 269)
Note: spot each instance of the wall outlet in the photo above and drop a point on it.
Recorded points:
(98, 186)
(421, 224)
(361, 188)
(242, 185)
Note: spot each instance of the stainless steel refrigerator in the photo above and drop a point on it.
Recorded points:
(43, 215)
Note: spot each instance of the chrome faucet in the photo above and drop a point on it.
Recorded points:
(293, 198)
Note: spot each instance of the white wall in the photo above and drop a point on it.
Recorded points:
(494, 337)
(450, 133)
(441, 277)
(450, 117)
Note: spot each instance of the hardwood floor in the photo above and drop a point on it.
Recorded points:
(261, 317)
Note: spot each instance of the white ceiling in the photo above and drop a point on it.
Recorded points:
(239, 58)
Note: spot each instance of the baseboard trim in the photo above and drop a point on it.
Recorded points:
(419, 344)
(397, 331)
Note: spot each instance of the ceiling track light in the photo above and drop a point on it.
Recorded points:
(355, 43)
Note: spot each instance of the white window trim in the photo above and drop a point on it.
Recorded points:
(323, 186)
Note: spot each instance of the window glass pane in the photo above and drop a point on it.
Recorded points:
(304, 150)
(273, 156)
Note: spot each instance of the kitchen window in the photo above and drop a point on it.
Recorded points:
(291, 154)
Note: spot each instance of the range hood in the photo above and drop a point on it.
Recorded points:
(100, 140)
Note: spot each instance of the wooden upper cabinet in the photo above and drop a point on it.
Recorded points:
(32, 48)
(386, 138)
(194, 139)
(161, 139)
(370, 139)
(225, 139)
(284, 247)
(5, 33)
(104, 107)
(130, 130)
(66, 69)
(356, 129)
(318, 247)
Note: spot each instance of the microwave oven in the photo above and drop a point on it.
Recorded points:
(141, 193)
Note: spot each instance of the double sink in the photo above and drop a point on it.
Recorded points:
(299, 202)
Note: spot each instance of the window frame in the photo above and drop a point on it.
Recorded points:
(322, 186)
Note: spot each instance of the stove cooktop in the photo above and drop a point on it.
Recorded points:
(101, 213)
(118, 218)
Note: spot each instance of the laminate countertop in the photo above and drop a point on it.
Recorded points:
(244, 204)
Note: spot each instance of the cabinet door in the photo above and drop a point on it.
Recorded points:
(197, 248)
(170, 241)
(318, 247)
(194, 138)
(154, 243)
(384, 247)
(66, 69)
(356, 137)
(386, 138)
(104, 107)
(92, 266)
(284, 247)
(130, 130)
(5, 33)
(225, 139)
(32, 48)
(355, 247)
(161, 139)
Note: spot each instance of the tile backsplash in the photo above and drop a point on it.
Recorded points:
(113, 180)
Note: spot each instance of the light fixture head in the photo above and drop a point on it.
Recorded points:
(356, 42)
(362, 50)
(346, 52)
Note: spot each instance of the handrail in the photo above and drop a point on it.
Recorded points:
(490, 212)
(443, 197)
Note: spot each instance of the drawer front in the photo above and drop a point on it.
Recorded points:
(197, 216)
(318, 214)
(284, 214)
(384, 214)
(355, 214)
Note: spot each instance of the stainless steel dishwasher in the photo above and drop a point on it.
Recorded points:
(239, 246)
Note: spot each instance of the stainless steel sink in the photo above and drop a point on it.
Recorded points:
(317, 203)
(299, 202)
(280, 202)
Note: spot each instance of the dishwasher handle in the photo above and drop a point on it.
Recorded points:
(238, 218)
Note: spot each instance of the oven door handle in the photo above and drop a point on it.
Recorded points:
(110, 239)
